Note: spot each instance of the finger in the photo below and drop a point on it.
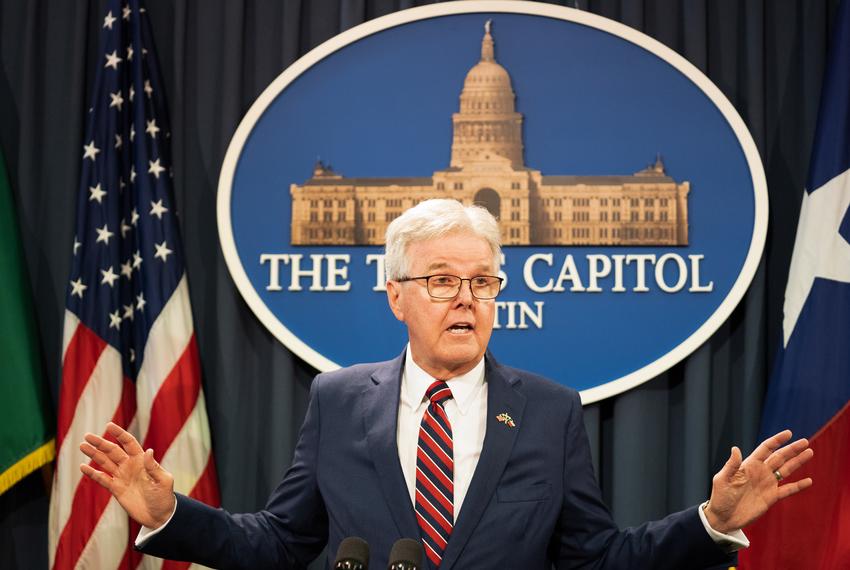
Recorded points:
(99, 457)
(790, 466)
(784, 454)
(127, 441)
(114, 452)
(154, 470)
(771, 444)
(789, 489)
(732, 464)
(98, 477)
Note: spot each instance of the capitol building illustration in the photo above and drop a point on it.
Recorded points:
(487, 168)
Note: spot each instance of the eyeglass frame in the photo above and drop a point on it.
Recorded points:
(427, 279)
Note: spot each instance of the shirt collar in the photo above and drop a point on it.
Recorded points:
(464, 388)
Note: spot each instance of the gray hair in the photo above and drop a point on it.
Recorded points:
(433, 219)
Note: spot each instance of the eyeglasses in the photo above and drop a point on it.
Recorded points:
(448, 286)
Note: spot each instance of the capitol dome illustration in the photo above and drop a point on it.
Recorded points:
(647, 208)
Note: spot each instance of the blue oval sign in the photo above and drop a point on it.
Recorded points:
(632, 201)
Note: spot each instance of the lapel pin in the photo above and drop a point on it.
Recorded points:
(506, 419)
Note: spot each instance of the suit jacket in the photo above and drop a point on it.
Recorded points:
(533, 502)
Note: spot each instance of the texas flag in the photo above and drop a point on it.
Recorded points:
(810, 389)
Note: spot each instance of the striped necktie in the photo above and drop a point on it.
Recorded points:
(435, 475)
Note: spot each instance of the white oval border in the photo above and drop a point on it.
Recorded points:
(612, 388)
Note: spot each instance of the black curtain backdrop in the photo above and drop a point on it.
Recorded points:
(655, 447)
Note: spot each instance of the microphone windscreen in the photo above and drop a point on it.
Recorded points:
(408, 552)
(354, 550)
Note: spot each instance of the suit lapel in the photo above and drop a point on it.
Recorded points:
(380, 403)
(502, 396)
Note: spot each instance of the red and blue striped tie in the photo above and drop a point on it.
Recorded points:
(435, 475)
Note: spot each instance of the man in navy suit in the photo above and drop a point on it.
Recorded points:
(487, 465)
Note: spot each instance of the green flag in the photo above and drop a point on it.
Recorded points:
(26, 433)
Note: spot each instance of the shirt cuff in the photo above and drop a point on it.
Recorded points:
(729, 543)
(146, 534)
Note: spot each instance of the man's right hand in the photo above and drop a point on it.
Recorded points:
(143, 488)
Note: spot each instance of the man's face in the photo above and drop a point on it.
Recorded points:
(448, 337)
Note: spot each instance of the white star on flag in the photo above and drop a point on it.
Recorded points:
(132, 168)
(114, 320)
(77, 245)
(128, 312)
(90, 151)
(118, 139)
(157, 209)
(112, 60)
(109, 276)
(125, 228)
(117, 100)
(155, 168)
(162, 251)
(148, 88)
(140, 302)
(129, 53)
(819, 250)
(77, 287)
(137, 260)
(134, 217)
(151, 128)
(109, 20)
(127, 269)
(103, 234)
(97, 193)
(126, 12)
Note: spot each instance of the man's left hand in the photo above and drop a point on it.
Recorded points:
(742, 491)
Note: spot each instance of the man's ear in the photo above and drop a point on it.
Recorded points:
(394, 298)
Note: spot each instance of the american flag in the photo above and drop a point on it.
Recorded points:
(129, 353)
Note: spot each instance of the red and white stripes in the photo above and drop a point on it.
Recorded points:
(165, 409)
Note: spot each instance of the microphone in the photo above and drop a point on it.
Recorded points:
(352, 554)
(406, 554)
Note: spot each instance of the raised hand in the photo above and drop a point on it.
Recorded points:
(742, 491)
(143, 488)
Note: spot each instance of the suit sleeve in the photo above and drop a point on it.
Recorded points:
(587, 536)
(289, 533)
